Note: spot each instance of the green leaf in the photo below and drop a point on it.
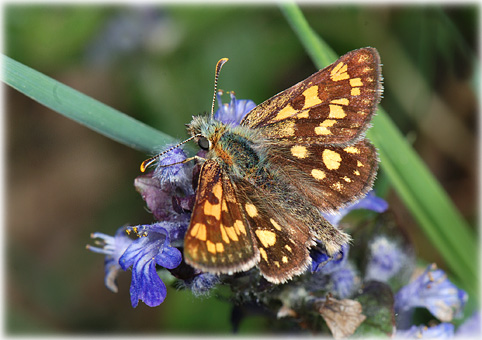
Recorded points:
(414, 183)
(82, 109)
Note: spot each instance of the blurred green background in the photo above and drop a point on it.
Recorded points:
(156, 63)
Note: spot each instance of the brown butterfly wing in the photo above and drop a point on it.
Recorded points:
(218, 239)
(332, 106)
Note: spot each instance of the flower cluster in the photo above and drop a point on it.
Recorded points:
(169, 195)
(344, 291)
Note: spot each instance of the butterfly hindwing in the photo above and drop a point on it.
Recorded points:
(282, 239)
(330, 176)
(218, 239)
(334, 105)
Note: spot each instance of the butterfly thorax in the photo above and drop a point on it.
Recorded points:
(235, 148)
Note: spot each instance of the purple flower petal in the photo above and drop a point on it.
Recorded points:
(113, 247)
(172, 173)
(203, 283)
(157, 197)
(151, 248)
(326, 264)
(433, 291)
(161, 199)
(146, 285)
(318, 259)
(335, 275)
(233, 112)
(343, 281)
(385, 261)
(169, 258)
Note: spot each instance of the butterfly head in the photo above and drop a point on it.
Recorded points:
(206, 131)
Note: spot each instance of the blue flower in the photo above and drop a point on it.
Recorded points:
(169, 195)
(113, 247)
(334, 274)
(441, 331)
(386, 259)
(319, 258)
(344, 281)
(150, 249)
(433, 291)
(370, 202)
(203, 283)
(233, 112)
(171, 172)
(326, 264)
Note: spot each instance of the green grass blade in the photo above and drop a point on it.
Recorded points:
(427, 201)
(318, 50)
(414, 183)
(81, 108)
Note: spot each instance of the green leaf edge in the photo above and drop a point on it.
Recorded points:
(82, 109)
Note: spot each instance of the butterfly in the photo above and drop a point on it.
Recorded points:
(264, 184)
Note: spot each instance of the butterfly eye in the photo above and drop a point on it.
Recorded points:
(204, 143)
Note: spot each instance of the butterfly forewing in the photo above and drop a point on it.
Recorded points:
(333, 105)
(218, 239)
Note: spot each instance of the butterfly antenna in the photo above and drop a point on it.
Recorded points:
(148, 162)
(219, 65)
